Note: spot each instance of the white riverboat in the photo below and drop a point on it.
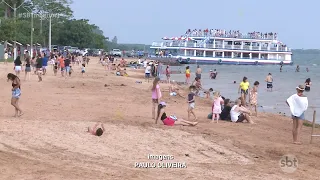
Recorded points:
(222, 47)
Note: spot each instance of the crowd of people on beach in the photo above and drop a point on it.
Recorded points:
(230, 34)
(240, 110)
(40, 64)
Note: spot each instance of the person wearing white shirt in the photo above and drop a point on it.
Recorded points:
(239, 113)
(145, 63)
(6, 56)
(298, 104)
(147, 72)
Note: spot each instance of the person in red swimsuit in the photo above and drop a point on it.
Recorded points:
(171, 120)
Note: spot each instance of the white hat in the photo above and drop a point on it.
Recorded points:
(300, 87)
(210, 70)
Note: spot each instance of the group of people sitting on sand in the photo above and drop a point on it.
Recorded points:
(109, 63)
(222, 109)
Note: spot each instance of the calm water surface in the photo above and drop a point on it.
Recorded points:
(283, 86)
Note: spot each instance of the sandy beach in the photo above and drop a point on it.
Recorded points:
(50, 140)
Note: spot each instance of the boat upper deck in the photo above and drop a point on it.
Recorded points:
(230, 34)
(221, 39)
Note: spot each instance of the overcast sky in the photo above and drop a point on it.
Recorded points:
(145, 21)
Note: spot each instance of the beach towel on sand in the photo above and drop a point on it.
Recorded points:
(298, 105)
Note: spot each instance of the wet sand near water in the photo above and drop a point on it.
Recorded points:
(50, 140)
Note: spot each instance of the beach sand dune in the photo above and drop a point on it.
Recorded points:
(50, 140)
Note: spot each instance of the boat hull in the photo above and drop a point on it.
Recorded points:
(228, 61)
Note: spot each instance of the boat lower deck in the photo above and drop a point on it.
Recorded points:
(228, 61)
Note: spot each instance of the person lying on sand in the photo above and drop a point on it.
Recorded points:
(118, 70)
(95, 130)
(174, 89)
(171, 120)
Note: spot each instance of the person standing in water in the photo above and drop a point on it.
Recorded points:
(254, 97)
(269, 81)
(188, 75)
(281, 68)
(307, 84)
(198, 72)
(244, 87)
(298, 104)
(298, 68)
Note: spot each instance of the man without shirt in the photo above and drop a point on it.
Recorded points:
(269, 81)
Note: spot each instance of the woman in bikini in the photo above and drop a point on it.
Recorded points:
(171, 120)
(16, 93)
(307, 84)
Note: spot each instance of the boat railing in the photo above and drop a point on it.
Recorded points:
(246, 47)
(238, 36)
(191, 44)
(273, 48)
(237, 47)
(210, 46)
(228, 46)
(218, 45)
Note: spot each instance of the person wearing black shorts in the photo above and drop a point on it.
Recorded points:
(269, 81)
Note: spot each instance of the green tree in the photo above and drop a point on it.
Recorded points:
(115, 40)
(9, 5)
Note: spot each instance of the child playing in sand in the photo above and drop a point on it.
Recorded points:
(124, 72)
(83, 69)
(216, 109)
(156, 95)
(197, 84)
(254, 97)
(95, 130)
(55, 68)
(70, 71)
(188, 73)
(171, 120)
(208, 92)
(191, 102)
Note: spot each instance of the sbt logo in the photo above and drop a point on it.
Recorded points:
(288, 163)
